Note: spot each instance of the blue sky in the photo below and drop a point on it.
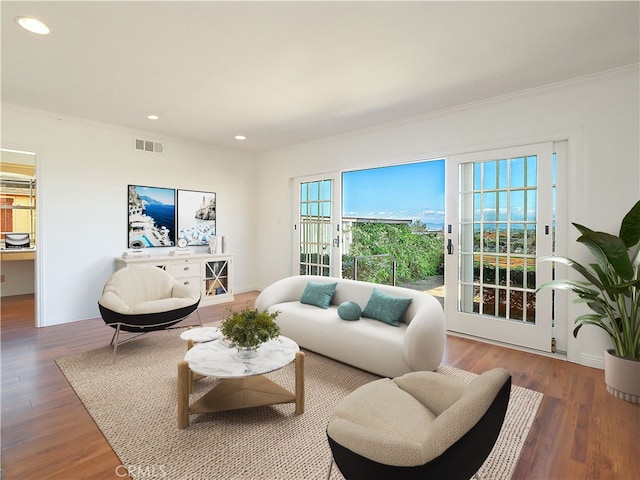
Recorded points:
(165, 196)
(411, 191)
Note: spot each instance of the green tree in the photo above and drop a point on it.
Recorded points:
(418, 253)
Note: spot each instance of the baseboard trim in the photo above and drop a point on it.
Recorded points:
(592, 361)
(556, 355)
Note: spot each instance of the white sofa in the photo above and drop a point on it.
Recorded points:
(371, 345)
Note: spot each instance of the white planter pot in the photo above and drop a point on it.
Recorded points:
(622, 376)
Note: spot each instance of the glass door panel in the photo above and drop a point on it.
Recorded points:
(317, 233)
(503, 207)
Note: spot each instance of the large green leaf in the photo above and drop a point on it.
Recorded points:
(630, 228)
(595, 320)
(582, 229)
(582, 270)
(593, 304)
(579, 288)
(610, 252)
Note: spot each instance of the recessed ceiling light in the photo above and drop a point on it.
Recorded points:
(33, 25)
(153, 117)
(240, 137)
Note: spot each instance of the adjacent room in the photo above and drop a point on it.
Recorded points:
(403, 195)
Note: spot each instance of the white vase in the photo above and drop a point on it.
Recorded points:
(622, 376)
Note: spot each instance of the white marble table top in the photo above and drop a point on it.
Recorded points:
(215, 359)
(201, 334)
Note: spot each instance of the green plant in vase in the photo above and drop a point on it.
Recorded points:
(250, 328)
(611, 290)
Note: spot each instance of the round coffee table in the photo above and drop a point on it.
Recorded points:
(242, 382)
(201, 334)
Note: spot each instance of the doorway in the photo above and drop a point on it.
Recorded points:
(501, 218)
(317, 226)
(18, 192)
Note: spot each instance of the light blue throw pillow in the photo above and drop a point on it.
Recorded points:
(386, 308)
(349, 311)
(318, 294)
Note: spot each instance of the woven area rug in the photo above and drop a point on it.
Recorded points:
(134, 403)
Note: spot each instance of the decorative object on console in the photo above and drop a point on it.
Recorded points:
(181, 249)
(136, 251)
(152, 212)
(250, 328)
(196, 216)
(213, 244)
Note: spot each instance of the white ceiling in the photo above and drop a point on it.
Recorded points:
(283, 73)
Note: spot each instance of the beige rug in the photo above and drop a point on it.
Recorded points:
(134, 402)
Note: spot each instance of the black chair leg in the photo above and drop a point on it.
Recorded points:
(116, 336)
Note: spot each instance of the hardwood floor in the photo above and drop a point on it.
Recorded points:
(580, 431)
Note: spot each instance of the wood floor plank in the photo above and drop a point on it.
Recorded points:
(580, 431)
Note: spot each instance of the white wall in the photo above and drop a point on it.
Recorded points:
(599, 115)
(83, 170)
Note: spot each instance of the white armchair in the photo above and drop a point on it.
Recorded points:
(140, 299)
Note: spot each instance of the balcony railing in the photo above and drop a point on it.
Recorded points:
(371, 268)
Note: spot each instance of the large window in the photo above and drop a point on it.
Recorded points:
(393, 224)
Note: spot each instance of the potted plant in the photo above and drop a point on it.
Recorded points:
(250, 328)
(611, 290)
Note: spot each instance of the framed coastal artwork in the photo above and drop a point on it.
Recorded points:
(152, 217)
(196, 216)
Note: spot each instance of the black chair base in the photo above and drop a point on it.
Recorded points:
(143, 323)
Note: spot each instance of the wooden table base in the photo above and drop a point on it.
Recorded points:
(237, 393)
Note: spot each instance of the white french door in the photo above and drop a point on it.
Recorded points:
(317, 222)
(499, 221)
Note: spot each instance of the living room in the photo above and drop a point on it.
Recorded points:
(85, 164)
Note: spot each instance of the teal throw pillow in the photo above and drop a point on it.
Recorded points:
(386, 308)
(349, 311)
(318, 294)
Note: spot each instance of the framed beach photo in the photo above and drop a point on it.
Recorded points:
(152, 217)
(196, 216)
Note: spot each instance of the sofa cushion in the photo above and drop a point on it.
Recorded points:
(318, 294)
(386, 308)
(349, 311)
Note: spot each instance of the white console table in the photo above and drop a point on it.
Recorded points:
(211, 274)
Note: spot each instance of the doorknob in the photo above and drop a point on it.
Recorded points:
(450, 247)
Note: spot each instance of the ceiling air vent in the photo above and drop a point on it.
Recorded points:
(147, 146)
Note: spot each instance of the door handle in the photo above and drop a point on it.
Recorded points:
(450, 247)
